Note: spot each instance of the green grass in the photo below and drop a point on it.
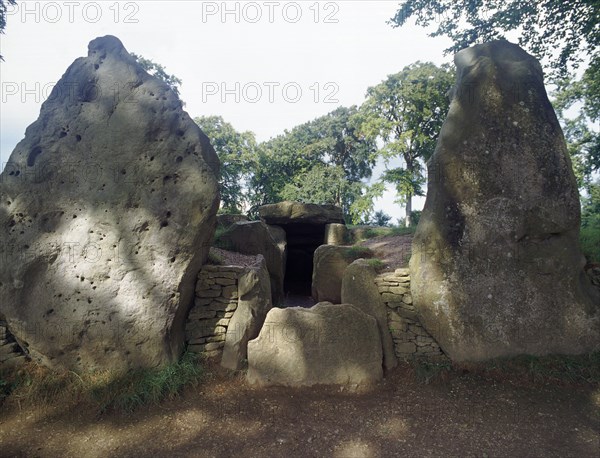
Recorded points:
(376, 264)
(590, 242)
(560, 369)
(361, 234)
(36, 385)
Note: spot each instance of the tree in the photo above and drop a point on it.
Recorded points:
(3, 9)
(590, 224)
(561, 34)
(235, 150)
(381, 218)
(322, 161)
(557, 31)
(406, 112)
(158, 71)
(583, 141)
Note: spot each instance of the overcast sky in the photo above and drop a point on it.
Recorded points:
(263, 66)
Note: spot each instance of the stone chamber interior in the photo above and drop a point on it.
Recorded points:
(302, 241)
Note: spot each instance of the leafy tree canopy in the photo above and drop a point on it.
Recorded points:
(556, 31)
(159, 71)
(3, 9)
(236, 151)
(405, 113)
(322, 161)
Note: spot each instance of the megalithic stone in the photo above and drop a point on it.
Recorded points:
(108, 208)
(496, 267)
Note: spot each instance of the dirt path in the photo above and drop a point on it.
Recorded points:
(465, 416)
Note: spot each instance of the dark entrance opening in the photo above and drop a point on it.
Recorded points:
(302, 241)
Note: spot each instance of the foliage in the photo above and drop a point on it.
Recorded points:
(583, 141)
(37, 385)
(235, 150)
(406, 112)
(322, 184)
(590, 224)
(361, 210)
(358, 252)
(158, 71)
(360, 234)
(381, 218)
(560, 34)
(415, 217)
(149, 386)
(376, 264)
(3, 9)
(558, 31)
(322, 161)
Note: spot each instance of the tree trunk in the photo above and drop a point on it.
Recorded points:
(408, 209)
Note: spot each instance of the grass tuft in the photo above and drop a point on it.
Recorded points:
(37, 385)
(356, 252)
(376, 264)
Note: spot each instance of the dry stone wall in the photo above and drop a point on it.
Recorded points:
(410, 337)
(11, 354)
(215, 303)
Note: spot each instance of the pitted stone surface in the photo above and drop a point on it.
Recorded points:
(108, 207)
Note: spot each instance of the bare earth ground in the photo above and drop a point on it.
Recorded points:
(394, 251)
(464, 416)
(459, 416)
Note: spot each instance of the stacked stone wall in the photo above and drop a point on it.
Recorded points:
(215, 303)
(11, 354)
(410, 337)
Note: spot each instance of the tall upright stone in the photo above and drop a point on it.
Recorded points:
(108, 208)
(496, 267)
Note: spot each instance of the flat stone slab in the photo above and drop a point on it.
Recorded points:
(324, 345)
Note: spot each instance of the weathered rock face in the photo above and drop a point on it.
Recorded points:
(254, 292)
(336, 234)
(359, 288)
(254, 237)
(324, 345)
(329, 264)
(296, 212)
(108, 207)
(496, 266)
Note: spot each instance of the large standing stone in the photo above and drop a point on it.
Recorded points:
(254, 292)
(329, 265)
(324, 345)
(297, 212)
(108, 208)
(359, 289)
(336, 234)
(254, 237)
(496, 267)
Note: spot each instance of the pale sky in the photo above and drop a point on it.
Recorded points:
(263, 66)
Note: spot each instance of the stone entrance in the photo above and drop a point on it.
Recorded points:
(302, 242)
(305, 227)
